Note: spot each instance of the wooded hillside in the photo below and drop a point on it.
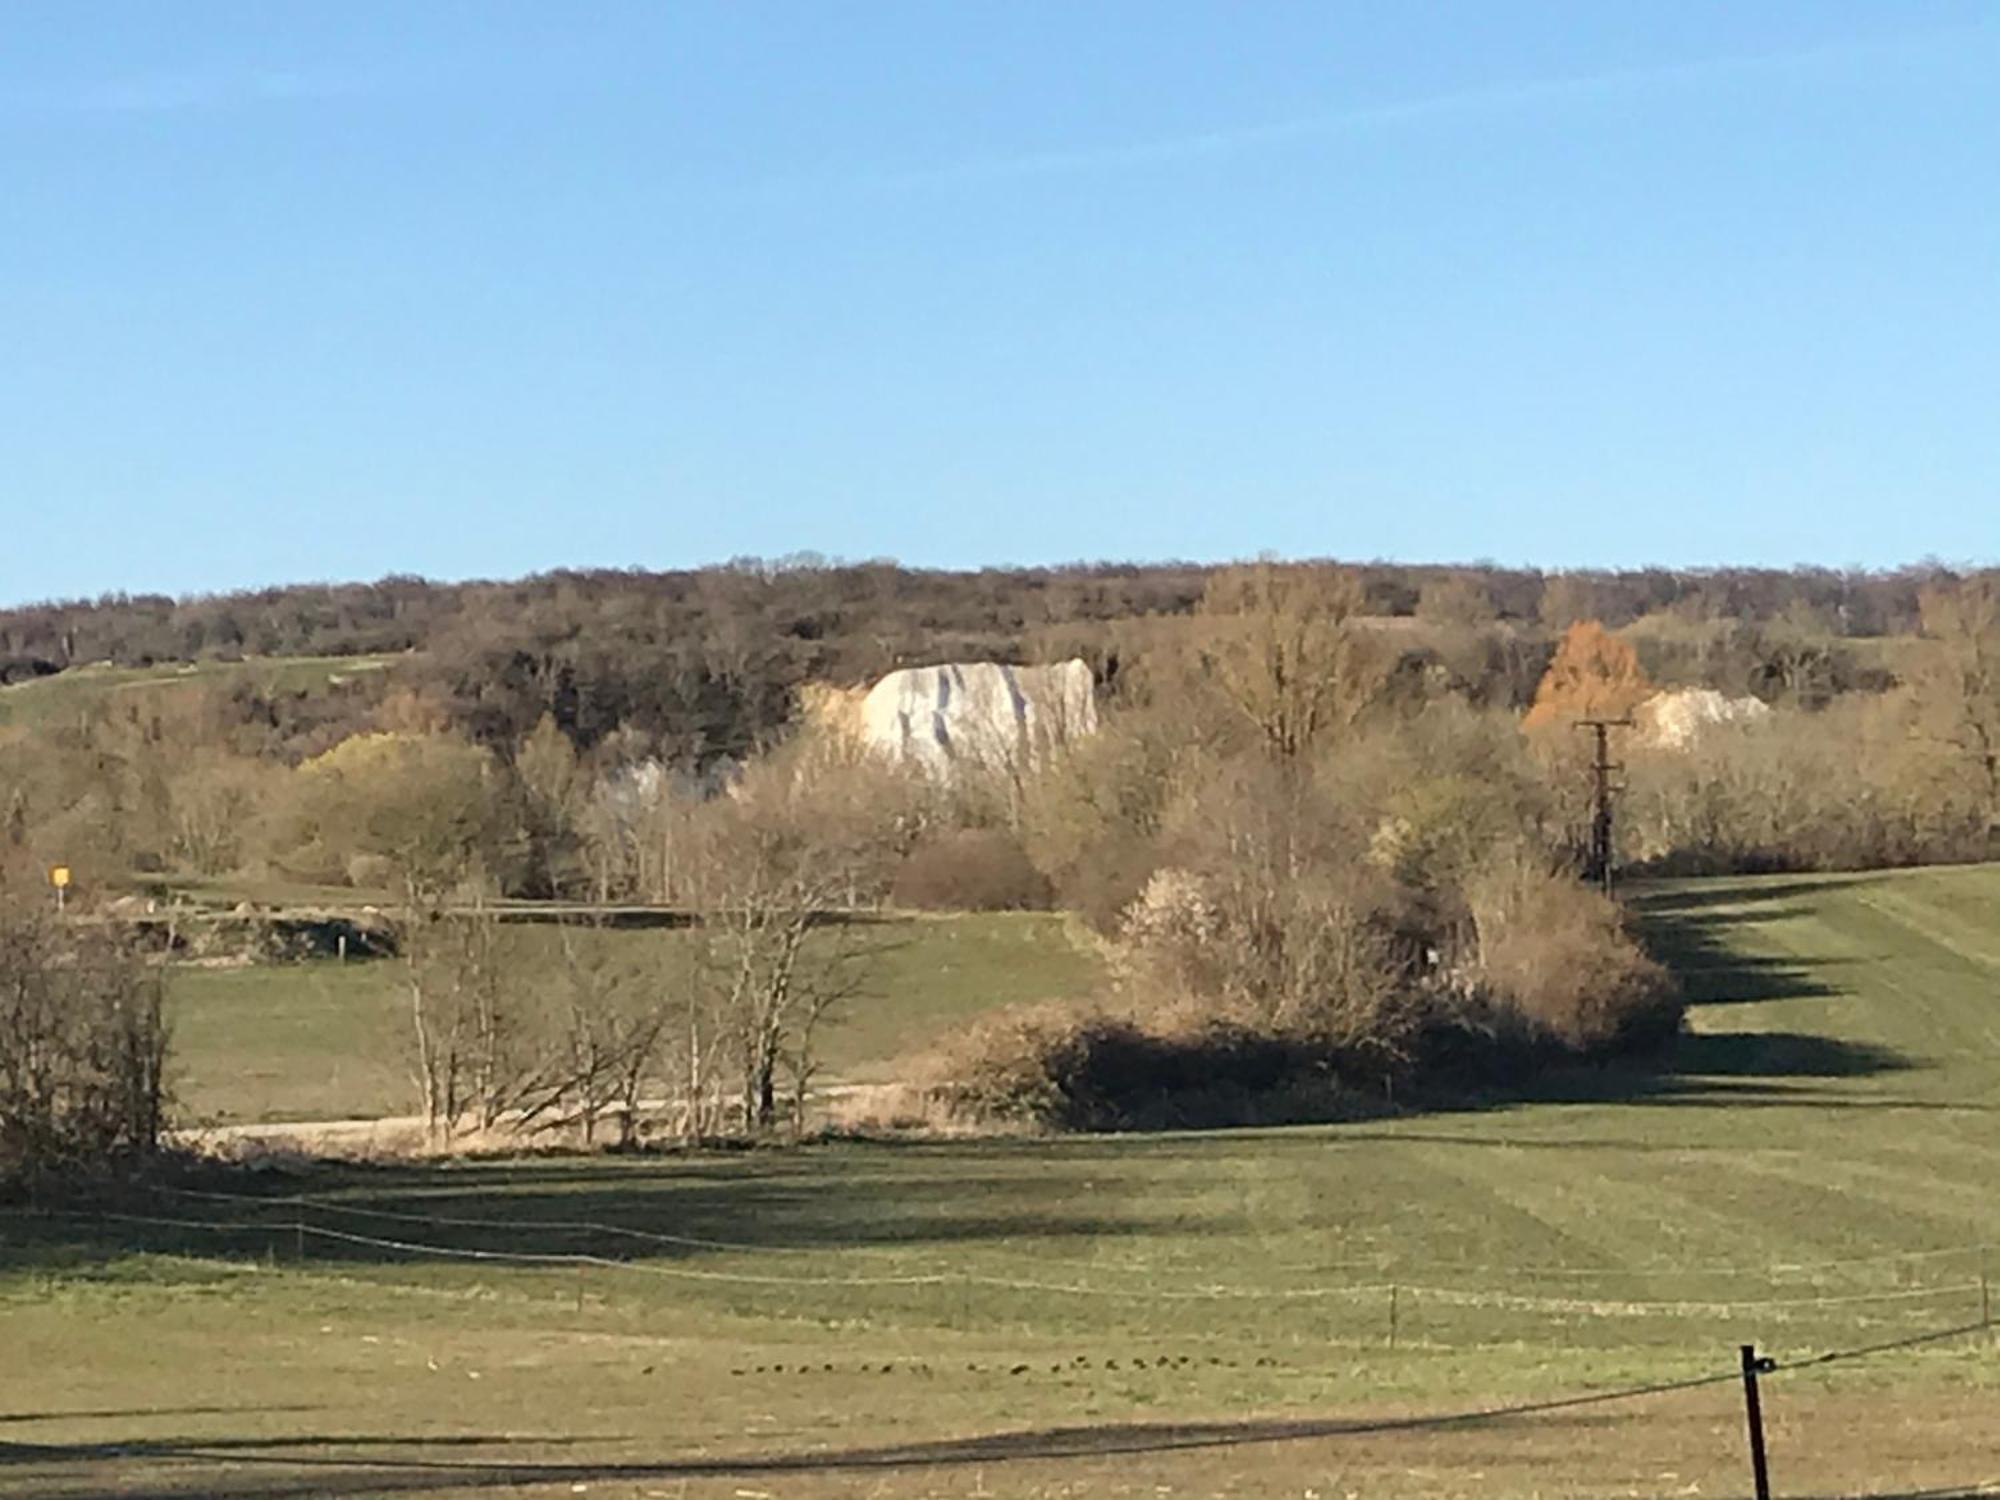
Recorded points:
(704, 663)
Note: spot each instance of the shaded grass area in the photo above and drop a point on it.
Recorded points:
(1558, 1453)
(1208, 1313)
(328, 1040)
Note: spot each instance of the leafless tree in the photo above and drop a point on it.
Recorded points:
(1286, 648)
(83, 1043)
(773, 867)
(486, 1055)
(1959, 686)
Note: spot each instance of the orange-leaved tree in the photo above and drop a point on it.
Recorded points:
(1595, 675)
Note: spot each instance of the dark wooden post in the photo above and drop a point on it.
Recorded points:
(1754, 1410)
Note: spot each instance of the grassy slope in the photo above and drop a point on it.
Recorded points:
(1838, 1101)
(45, 698)
(328, 1040)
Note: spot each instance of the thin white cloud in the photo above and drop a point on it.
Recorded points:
(1609, 85)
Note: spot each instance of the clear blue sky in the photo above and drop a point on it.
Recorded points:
(326, 291)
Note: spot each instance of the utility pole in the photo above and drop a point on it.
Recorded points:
(1602, 848)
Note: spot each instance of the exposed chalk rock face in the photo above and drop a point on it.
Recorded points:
(1676, 719)
(978, 713)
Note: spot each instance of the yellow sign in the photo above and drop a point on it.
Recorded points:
(59, 876)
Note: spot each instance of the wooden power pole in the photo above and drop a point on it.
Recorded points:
(1603, 768)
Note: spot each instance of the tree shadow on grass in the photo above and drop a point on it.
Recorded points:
(14, 1452)
(1706, 893)
(1695, 933)
(232, 1470)
(767, 1217)
(1781, 1054)
(1733, 1069)
(1698, 932)
(1784, 1070)
(124, 1414)
(292, 1473)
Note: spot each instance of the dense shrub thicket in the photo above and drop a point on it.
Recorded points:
(1339, 900)
(83, 1045)
(970, 869)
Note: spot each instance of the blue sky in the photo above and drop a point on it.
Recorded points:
(295, 291)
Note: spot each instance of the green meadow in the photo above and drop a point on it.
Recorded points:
(328, 1040)
(43, 701)
(1236, 1313)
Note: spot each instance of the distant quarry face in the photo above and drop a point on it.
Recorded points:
(1676, 719)
(958, 715)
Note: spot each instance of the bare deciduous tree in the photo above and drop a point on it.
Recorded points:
(1959, 685)
(553, 795)
(1302, 921)
(83, 1043)
(776, 869)
(487, 1054)
(1286, 648)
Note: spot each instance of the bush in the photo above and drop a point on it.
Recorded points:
(1090, 815)
(1243, 1011)
(1056, 1068)
(371, 872)
(1064, 1069)
(1556, 955)
(1297, 931)
(83, 1046)
(425, 803)
(1856, 786)
(970, 869)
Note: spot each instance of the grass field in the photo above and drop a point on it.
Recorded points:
(43, 699)
(326, 1040)
(1185, 1315)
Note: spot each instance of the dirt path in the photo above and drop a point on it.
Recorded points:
(408, 1135)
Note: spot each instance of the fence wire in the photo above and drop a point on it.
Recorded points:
(1415, 1291)
(1088, 1442)
(1380, 1266)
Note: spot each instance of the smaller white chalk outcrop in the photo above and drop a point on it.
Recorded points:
(1677, 718)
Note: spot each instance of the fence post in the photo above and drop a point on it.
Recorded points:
(1394, 1290)
(1754, 1410)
